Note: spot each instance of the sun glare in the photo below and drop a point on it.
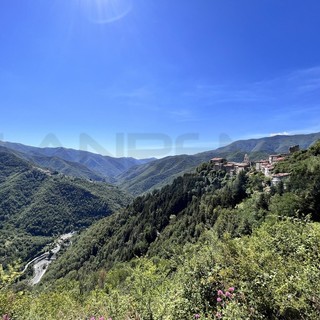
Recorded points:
(105, 11)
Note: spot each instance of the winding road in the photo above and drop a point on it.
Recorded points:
(41, 263)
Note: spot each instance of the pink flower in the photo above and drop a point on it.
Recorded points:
(219, 299)
(231, 289)
(197, 316)
(228, 294)
(92, 318)
(220, 293)
(218, 315)
(5, 317)
(102, 318)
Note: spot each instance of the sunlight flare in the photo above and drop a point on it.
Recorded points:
(105, 11)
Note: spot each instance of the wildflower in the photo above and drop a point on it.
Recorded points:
(218, 315)
(197, 316)
(92, 318)
(219, 299)
(231, 289)
(103, 318)
(228, 294)
(5, 317)
(220, 293)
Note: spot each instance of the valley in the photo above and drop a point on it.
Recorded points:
(218, 225)
(159, 160)
(36, 205)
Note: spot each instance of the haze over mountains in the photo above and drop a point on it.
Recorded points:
(139, 176)
(76, 163)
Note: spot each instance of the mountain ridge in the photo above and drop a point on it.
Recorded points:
(154, 175)
(140, 176)
(79, 163)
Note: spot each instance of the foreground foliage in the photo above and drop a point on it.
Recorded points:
(274, 275)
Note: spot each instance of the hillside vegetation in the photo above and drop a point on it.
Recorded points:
(208, 246)
(178, 213)
(36, 205)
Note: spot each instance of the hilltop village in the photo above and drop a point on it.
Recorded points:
(265, 166)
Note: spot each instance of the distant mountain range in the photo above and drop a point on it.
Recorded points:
(76, 163)
(139, 176)
(156, 174)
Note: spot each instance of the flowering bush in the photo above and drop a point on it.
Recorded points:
(274, 275)
(223, 300)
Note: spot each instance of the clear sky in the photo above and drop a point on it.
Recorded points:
(157, 77)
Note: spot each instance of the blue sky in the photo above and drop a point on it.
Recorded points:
(157, 77)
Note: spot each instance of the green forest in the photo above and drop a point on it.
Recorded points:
(37, 205)
(208, 246)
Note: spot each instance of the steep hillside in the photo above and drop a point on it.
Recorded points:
(155, 224)
(156, 174)
(37, 203)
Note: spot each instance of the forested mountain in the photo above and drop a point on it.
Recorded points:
(69, 168)
(206, 239)
(207, 246)
(76, 163)
(270, 145)
(156, 174)
(178, 213)
(38, 203)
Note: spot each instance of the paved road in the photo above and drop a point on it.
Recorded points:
(41, 263)
(40, 269)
